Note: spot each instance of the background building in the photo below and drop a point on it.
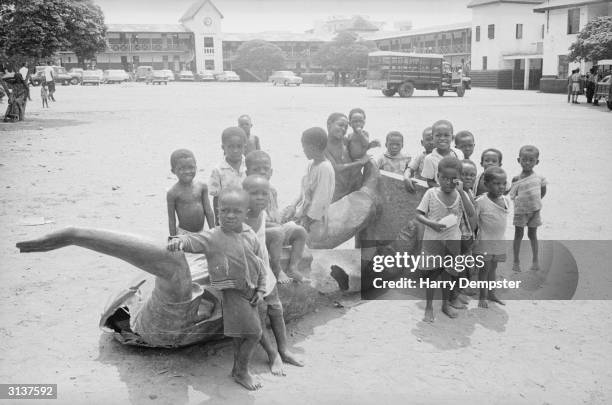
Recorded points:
(507, 44)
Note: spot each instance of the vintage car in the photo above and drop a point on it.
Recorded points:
(142, 72)
(115, 76)
(186, 76)
(59, 74)
(93, 77)
(76, 74)
(285, 77)
(206, 76)
(603, 89)
(158, 77)
(228, 76)
(169, 73)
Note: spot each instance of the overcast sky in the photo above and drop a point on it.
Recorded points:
(289, 15)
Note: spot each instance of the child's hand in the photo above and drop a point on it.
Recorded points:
(459, 184)
(257, 297)
(409, 185)
(436, 226)
(175, 244)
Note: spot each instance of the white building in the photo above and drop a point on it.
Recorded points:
(203, 19)
(507, 43)
(563, 21)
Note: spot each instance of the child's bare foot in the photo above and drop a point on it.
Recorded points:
(535, 266)
(276, 366)
(462, 296)
(482, 303)
(449, 311)
(493, 297)
(283, 278)
(429, 316)
(289, 358)
(247, 381)
(457, 303)
(296, 275)
(516, 267)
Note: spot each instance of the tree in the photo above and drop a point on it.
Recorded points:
(38, 29)
(594, 42)
(259, 56)
(344, 54)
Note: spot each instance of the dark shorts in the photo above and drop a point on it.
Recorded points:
(240, 318)
(51, 86)
(271, 305)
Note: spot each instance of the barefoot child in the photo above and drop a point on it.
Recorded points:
(393, 160)
(489, 158)
(527, 191)
(232, 170)
(44, 95)
(277, 234)
(317, 189)
(442, 132)
(245, 122)
(237, 269)
(440, 240)
(464, 141)
(492, 211)
(258, 189)
(415, 167)
(187, 200)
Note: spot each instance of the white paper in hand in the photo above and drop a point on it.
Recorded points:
(449, 220)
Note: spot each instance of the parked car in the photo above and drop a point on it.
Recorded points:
(285, 77)
(228, 76)
(169, 73)
(92, 77)
(158, 77)
(76, 74)
(186, 76)
(59, 74)
(206, 76)
(115, 76)
(142, 72)
(603, 88)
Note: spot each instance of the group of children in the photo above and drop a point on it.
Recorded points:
(246, 234)
(247, 231)
(464, 212)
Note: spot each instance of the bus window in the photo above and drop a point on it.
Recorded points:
(413, 64)
(425, 67)
(435, 67)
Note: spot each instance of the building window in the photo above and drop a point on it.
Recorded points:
(209, 64)
(563, 66)
(484, 63)
(477, 34)
(573, 21)
(209, 42)
(519, 31)
(491, 31)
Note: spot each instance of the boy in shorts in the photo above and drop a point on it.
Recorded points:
(277, 234)
(258, 189)
(527, 191)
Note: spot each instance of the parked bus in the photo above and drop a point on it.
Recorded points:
(400, 72)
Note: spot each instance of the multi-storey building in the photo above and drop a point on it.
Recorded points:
(507, 44)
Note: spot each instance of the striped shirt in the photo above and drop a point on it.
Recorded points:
(527, 194)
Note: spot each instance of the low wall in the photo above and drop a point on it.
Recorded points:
(553, 85)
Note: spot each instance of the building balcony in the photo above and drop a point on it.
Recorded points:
(441, 49)
(146, 47)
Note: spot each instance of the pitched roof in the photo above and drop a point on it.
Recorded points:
(476, 3)
(195, 7)
(145, 28)
(419, 31)
(359, 23)
(557, 4)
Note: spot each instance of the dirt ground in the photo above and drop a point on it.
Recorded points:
(100, 157)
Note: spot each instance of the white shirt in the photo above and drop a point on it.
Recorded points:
(48, 73)
(23, 72)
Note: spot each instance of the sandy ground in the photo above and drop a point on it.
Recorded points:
(100, 157)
